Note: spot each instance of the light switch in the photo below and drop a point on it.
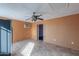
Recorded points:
(54, 39)
(72, 42)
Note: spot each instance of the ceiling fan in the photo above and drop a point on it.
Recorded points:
(35, 17)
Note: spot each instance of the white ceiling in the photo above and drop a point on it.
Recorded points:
(25, 10)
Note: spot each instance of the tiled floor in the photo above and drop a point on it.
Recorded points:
(40, 48)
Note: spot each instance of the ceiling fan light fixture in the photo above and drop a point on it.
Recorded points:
(35, 17)
(33, 21)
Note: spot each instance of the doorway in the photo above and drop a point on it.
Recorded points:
(5, 37)
(40, 32)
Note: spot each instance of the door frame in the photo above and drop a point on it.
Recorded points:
(11, 26)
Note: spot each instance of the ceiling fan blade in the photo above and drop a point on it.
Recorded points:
(39, 15)
(40, 18)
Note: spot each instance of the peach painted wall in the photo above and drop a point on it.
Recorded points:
(62, 31)
(28, 33)
(19, 32)
(34, 31)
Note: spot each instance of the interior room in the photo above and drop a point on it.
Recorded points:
(39, 29)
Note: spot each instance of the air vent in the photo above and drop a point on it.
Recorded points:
(27, 25)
